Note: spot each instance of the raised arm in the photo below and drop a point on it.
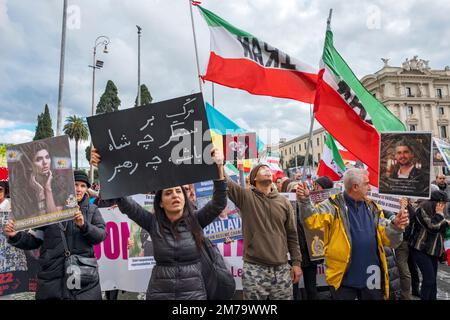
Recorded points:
(23, 240)
(94, 231)
(313, 217)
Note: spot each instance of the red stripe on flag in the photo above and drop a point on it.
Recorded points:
(337, 117)
(256, 79)
(324, 170)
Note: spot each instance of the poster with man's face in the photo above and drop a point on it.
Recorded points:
(405, 163)
(42, 186)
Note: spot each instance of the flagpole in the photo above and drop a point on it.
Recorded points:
(312, 118)
(195, 46)
(305, 163)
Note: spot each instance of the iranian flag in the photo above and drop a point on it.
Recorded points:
(331, 163)
(351, 114)
(240, 60)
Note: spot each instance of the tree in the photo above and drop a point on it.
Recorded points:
(300, 161)
(76, 128)
(44, 125)
(109, 101)
(146, 97)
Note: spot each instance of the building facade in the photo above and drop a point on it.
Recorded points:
(297, 146)
(414, 93)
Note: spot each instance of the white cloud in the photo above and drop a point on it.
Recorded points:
(16, 136)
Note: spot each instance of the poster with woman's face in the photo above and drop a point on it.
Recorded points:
(405, 163)
(42, 187)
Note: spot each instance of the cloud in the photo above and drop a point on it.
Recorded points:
(364, 31)
(16, 136)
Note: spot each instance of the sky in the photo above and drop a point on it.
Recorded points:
(30, 40)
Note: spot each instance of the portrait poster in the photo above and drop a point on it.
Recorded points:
(405, 164)
(42, 186)
(227, 226)
(240, 146)
(140, 245)
(163, 145)
(444, 149)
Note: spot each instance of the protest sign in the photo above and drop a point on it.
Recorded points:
(386, 202)
(140, 251)
(240, 146)
(42, 186)
(18, 268)
(438, 158)
(227, 226)
(405, 163)
(141, 148)
(444, 149)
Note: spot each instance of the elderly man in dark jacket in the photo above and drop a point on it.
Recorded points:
(86, 230)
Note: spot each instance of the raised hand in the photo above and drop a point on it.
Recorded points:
(302, 191)
(9, 229)
(401, 220)
(95, 157)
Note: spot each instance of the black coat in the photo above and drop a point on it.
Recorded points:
(50, 278)
(177, 274)
(394, 276)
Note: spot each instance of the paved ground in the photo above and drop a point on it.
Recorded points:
(443, 282)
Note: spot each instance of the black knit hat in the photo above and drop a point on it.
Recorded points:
(80, 175)
(325, 182)
(439, 195)
(5, 185)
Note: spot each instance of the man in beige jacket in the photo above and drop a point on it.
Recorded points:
(270, 233)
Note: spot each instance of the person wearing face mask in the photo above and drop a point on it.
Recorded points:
(82, 233)
(176, 230)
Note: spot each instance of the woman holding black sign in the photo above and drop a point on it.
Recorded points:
(176, 231)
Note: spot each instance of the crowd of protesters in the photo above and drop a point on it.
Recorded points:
(369, 253)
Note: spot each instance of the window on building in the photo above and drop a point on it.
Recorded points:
(290, 150)
(305, 145)
(412, 127)
(294, 149)
(318, 141)
(318, 157)
(439, 93)
(408, 92)
(410, 110)
(441, 111)
(443, 130)
(299, 147)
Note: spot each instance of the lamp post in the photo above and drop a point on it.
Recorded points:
(139, 66)
(96, 64)
(61, 71)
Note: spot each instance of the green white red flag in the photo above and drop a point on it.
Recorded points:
(331, 163)
(240, 60)
(351, 114)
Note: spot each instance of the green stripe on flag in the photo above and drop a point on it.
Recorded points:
(215, 21)
(382, 118)
(329, 141)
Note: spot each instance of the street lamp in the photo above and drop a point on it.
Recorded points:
(139, 65)
(96, 64)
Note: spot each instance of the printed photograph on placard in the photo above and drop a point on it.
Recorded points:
(405, 163)
(42, 186)
(140, 245)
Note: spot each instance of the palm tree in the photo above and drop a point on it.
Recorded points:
(76, 128)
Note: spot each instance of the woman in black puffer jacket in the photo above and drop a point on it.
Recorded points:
(176, 231)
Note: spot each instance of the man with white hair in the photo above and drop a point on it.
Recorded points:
(355, 233)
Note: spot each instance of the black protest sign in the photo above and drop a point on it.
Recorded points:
(405, 163)
(42, 182)
(152, 147)
(240, 146)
